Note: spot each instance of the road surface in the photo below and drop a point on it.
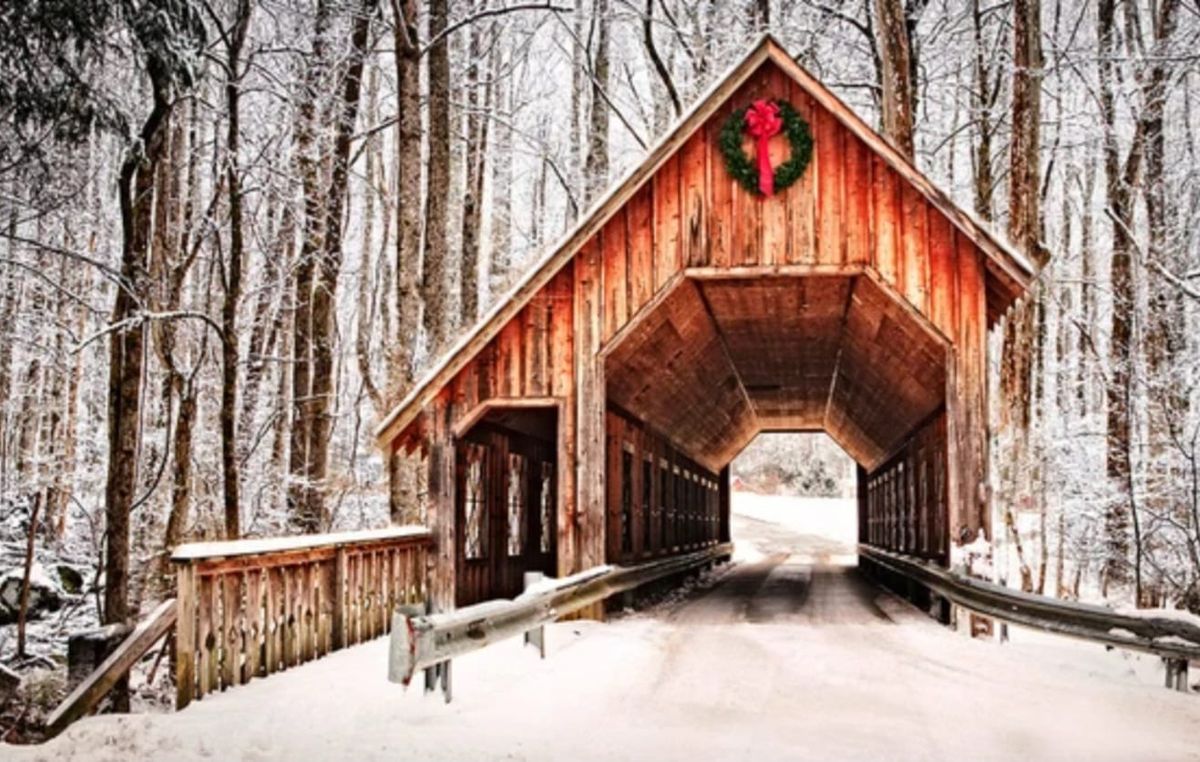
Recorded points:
(787, 655)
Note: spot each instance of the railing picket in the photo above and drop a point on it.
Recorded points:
(253, 632)
(204, 635)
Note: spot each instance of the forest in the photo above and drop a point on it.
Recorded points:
(233, 233)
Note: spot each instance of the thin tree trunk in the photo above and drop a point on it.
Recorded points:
(898, 88)
(127, 346)
(300, 482)
(436, 265)
(408, 194)
(595, 168)
(476, 153)
(233, 274)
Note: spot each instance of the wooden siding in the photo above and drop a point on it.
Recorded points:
(660, 502)
(903, 503)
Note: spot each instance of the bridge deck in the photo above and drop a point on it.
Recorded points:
(787, 656)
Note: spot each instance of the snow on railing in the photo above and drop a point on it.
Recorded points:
(1174, 638)
(248, 608)
(429, 641)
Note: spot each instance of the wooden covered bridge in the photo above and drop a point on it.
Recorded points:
(592, 415)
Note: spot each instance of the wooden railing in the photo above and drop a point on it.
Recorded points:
(248, 608)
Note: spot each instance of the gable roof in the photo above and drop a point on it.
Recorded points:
(1003, 261)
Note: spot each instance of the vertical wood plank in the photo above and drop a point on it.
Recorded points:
(915, 247)
(828, 145)
(858, 194)
(589, 407)
(253, 624)
(641, 248)
(886, 221)
(271, 625)
(666, 221)
(615, 283)
(185, 634)
(720, 194)
(441, 506)
(339, 602)
(692, 182)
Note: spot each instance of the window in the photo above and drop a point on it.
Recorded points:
(677, 517)
(663, 477)
(546, 509)
(626, 502)
(515, 493)
(647, 497)
(475, 506)
(516, 502)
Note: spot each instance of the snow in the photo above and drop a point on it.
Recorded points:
(226, 548)
(774, 658)
(1177, 615)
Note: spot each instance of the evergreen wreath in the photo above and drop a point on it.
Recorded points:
(743, 167)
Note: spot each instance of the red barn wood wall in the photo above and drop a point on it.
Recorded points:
(849, 212)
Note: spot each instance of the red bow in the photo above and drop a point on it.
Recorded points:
(763, 123)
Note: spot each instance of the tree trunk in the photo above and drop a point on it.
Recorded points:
(891, 29)
(324, 303)
(300, 481)
(595, 168)
(233, 275)
(478, 118)
(126, 347)
(408, 194)
(436, 265)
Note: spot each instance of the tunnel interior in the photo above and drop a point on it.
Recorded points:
(716, 361)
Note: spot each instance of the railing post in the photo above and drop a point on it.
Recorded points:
(185, 634)
(339, 598)
(537, 636)
(1177, 671)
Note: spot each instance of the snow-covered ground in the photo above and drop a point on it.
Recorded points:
(777, 658)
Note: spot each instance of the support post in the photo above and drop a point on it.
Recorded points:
(1176, 673)
(185, 634)
(537, 636)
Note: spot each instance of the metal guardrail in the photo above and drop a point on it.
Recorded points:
(1175, 640)
(430, 641)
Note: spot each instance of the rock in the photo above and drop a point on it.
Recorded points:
(88, 650)
(10, 681)
(70, 578)
(44, 594)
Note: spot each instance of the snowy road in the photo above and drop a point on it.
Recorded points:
(789, 655)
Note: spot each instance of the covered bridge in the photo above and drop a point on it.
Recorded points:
(592, 415)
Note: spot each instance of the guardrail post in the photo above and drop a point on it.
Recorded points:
(537, 636)
(1176, 673)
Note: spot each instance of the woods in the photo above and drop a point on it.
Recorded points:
(232, 237)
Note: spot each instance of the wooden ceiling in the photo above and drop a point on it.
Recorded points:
(718, 360)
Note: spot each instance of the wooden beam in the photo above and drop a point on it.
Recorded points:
(478, 412)
(88, 694)
(771, 271)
